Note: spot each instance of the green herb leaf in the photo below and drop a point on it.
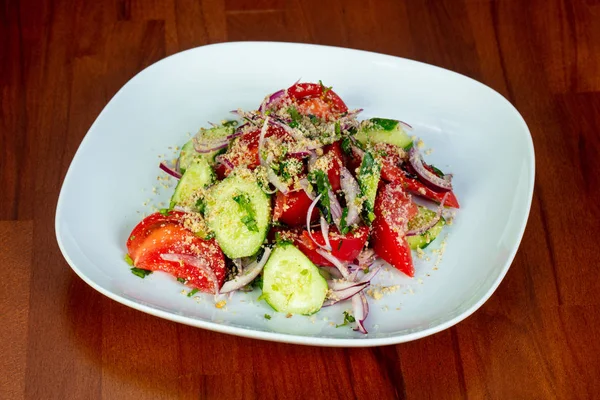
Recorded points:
(258, 282)
(347, 145)
(320, 180)
(128, 259)
(338, 128)
(280, 240)
(343, 227)
(231, 122)
(437, 171)
(165, 211)
(142, 273)
(313, 119)
(325, 88)
(180, 280)
(267, 316)
(245, 204)
(200, 205)
(348, 318)
(192, 292)
(296, 117)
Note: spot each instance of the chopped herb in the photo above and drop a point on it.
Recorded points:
(366, 270)
(231, 122)
(437, 171)
(343, 227)
(340, 244)
(338, 128)
(325, 88)
(296, 117)
(347, 145)
(132, 237)
(348, 318)
(142, 273)
(250, 223)
(268, 112)
(258, 282)
(267, 316)
(409, 146)
(180, 280)
(313, 119)
(165, 211)
(128, 259)
(209, 235)
(245, 204)
(192, 292)
(320, 180)
(200, 205)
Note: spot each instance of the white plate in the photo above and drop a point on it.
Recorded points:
(474, 132)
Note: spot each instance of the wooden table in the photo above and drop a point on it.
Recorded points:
(537, 337)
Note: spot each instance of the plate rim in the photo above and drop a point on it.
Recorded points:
(285, 337)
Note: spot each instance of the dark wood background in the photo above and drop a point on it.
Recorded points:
(537, 337)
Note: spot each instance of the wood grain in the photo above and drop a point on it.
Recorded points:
(61, 62)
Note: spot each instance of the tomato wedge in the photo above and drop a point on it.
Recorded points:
(393, 210)
(344, 247)
(316, 99)
(158, 234)
(391, 172)
(334, 151)
(244, 150)
(291, 209)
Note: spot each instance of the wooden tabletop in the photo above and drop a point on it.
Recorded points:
(537, 337)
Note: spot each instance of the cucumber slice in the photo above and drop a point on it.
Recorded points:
(197, 176)
(188, 154)
(381, 130)
(368, 181)
(239, 213)
(422, 218)
(292, 283)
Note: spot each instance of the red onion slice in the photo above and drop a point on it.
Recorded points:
(360, 307)
(196, 262)
(169, 170)
(209, 146)
(351, 192)
(421, 230)
(325, 233)
(366, 257)
(309, 229)
(337, 285)
(250, 272)
(426, 176)
(275, 181)
(344, 294)
(404, 124)
(225, 161)
(270, 100)
(337, 263)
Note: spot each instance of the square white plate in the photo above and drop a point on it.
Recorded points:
(474, 132)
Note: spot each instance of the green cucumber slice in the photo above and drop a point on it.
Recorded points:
(197, 176)
(239, 213)
(381, 130)
(422, 218)
(368, 181)
(292, 283)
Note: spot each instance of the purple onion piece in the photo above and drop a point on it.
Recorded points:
(169, 170)
(426, 176)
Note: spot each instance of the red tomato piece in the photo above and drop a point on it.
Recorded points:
(291, 209)
(301, 92)
(244, 150)
(158, 234)
(393, 210)
(344, 247)
(334, 151)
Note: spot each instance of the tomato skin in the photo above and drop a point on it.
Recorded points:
(158, 234)
(292, 209)
(244, 150)
(393, 209)
(391, 172)
(344, 247)
(303, 91)
(335, 150)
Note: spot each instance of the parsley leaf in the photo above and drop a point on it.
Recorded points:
(142, 273)
(313, 119)
(192, 292)
(325, 88)
(267, 316)
(249, 219)
(348, 318)
(437, 171)
(294, 114)
(343, 227)
(165, 211)
(347, 145)
(231, 122)
(180, 280)
(338, 128)
(320, 180)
